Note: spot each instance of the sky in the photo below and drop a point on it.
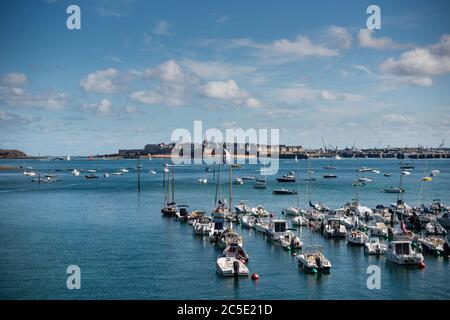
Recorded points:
(138, 70)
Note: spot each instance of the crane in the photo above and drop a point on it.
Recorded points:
(378, 144)
(442, 144)
(323, 143)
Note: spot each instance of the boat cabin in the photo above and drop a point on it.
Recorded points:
(400, 247)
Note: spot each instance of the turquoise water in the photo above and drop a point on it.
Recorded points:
(127, 250)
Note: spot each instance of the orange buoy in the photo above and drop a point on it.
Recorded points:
(422, 265)
(255, 276)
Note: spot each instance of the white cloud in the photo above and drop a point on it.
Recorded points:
(338, 37)
(169, 71)
(102, 81)
(19, 97)
(303, 94)
(366, 40)
(103, 107)
(362, 68)
(215, 70)
(14, 79)
(223, 90)
(162, 28)
(253, 103)
(286, 50)
(398, 118)
(419, 65)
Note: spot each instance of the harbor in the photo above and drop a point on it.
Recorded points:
(127, 248)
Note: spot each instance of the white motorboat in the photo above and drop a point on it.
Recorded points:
(152, 172)
(406, 173)
(289, 241)
(401, 252)
(276, 229)
(238, 181)
(29, 173)
(365, 179)
(231, 266)
(261, 225)
(375, 171)
(75, 172)
(203, 181)
(247, 221)
(248, 178)
(242, 207)
(393, 190)
(202, 225)
(118, 173)
(288, 177)
(313, 262)
(373, 246)
(379, 230)
(434, 228)
(434, 173)
(432, 244)
(334, 229)
(260, 211)
(124, 170)
(236, 251)
(357, 237)
(106, 175)
(365, 169)
(260, 184)
(291, 211)
(300, 221)
(314, 215)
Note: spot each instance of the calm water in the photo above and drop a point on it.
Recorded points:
(126, 250)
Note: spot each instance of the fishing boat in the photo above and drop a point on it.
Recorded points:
(329, 176)
(182, 213)
(300, 221)
(217, 227)
(284, 191)
(288, 177)
(334, 229)
(379, 230)
(373, 246)
(228, 237)
(242, 207)
(169, 209)
(435, 228)
(401, 252)
(248, 221)
(313, 261)
(231, 266)
(202, 225)
(236, 251)
(91, 176)
(260, 184)
(357, 237)
(238, 181)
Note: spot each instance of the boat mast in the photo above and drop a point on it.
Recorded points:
(298, 181)
(173, 183)
(139, 174)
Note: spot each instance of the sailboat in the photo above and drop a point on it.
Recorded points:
(170, 208)
(68, 158)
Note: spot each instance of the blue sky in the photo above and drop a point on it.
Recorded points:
(137, 70)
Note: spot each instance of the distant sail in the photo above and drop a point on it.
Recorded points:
(68, 158)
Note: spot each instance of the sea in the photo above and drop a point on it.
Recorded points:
(125, 248)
